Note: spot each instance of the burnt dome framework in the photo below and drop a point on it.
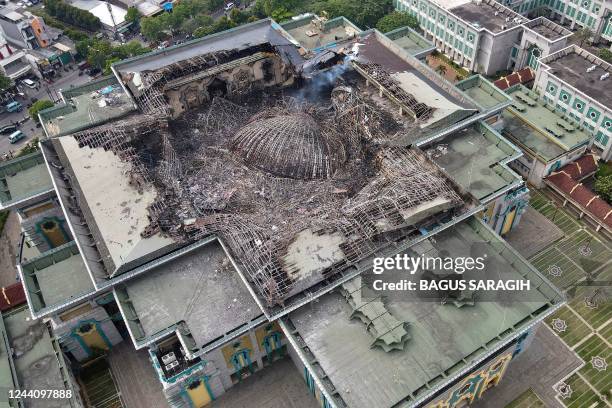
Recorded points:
(290, 145)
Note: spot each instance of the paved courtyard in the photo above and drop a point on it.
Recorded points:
(580, 264)
(277, 386)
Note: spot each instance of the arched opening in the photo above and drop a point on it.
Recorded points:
(217, 87)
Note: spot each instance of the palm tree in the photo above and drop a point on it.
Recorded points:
(441, 69)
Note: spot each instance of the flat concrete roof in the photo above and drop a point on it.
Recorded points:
(548, 29)
(200, 288)
(60, 275)
(444, 338)
(483, 92)
(483, 13)
(24, 177)
(529, 126)
(409, 40)
(572, 68)
(37, 358)
(313, 33)
(471, 157)
(88, 105)
(112, 205)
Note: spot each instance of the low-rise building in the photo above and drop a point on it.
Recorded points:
(547, 136)
(577, 83)
(485, 36)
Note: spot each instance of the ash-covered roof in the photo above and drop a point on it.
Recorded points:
(444, 339)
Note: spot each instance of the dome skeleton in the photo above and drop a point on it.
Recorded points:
(258, 177)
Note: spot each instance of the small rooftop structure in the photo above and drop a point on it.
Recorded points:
(583, 71)
(411, 41)
(113, 18)
(484, 93)
(316, 33)
(539, 128)
(23, 179)
(547, 29)
(488, 14)
(439, 348)
(87, 105)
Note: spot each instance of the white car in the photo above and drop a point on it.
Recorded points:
(29, 3)
(229, 6)
(29, 83)
(20, 5)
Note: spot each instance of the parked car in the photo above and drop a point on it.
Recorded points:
(20, 5)
(8, 129)
(14, 107)
(29, 3)
(29, 83)
(229, 6)
(16, 136)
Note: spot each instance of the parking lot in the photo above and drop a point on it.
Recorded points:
(44, 91)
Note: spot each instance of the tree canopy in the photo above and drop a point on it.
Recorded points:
(605, 54)
(132, 15)
(38, 106)
(5, 82)
(396, 20)
(72, 15)
(603, 187)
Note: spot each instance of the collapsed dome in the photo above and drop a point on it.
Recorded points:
(289, 145)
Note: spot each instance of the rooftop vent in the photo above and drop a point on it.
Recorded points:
(604, 76)
(591, 68)
(507, 19)
(497, 13)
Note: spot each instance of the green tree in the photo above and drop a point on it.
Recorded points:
(98, 53)
(132, 15)
(396, 20)
(5, 82)
(281, 14)
(603, 187)
(365, 14)
(38, 106)
(152, 28)
(108, 63)
(605, 54)
(582, 35)
(441, 69)
(239, 17)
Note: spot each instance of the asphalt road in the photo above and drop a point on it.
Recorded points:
(45, 91)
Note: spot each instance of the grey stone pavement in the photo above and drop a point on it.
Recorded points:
(533, 233)
(277, 386)
(545, 362)
(8, 250)
(135, 377)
